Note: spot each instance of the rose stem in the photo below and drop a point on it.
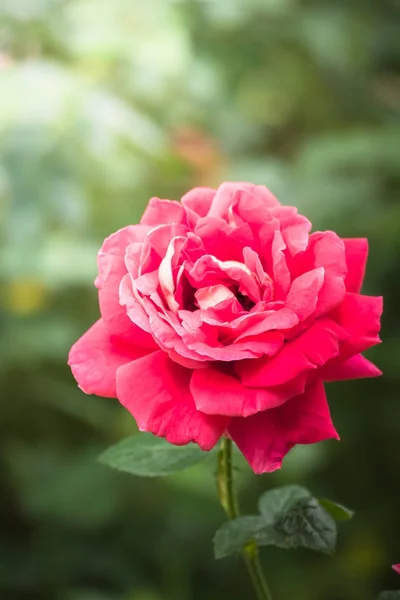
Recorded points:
(229, 503)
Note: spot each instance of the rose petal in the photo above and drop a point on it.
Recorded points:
(216, 392)
(252, 201)
(165, 276)
(221, 240)
(208, 271)
(133, 306)
(356, 258)
(356, 367)
(258, 323)
(303, 294)
(112, 268)
(161, 212)
(295, 232)
(310, 350)
(359, 316)
(325, 249)
(168, 332)
(211, 296)
(252, 261)
(95, 358)
(159, 237)
(279, 267)
(265, 438)
(155, 390)
(209, 346)
(197, 203)
(330, 295)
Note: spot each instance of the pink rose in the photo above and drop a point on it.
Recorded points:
(396, 568)
(222, 315)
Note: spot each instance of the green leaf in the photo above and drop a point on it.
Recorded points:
(149, 456)
(290, 518)
(235, 534)
(279, 500)
(390, 595)
(306, 524)
(337, 511)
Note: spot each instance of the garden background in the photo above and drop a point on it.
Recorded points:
(103, 104)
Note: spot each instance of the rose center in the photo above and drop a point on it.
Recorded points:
(246, 302)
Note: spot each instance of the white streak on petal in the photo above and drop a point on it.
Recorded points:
(211, 296)
(165, 276)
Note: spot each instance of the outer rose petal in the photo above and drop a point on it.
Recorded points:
(254, 204)
(133, 307)
(359, 316)
(95, 358)
(265, 438)
(258, 197)
(325, 249)
(215, 392)
(355, 367)
(112, 269)
(310, 350)
(161, 212)
(197, 203)
(155, 390)
(356, 258)
(110, 259)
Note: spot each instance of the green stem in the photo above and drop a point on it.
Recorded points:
(229, 503)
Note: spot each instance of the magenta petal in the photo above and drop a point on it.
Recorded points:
(356, 367)
(328, 251)
(303, 294)
(265, 438)
(95, 358)
(256, 324)
(325, 249)
(279, 267)
(221, 240)
(356, 257)
(310, 350)
(359, 316)
(216, 392)
(161, 212)
(156, 392)
(331, 294)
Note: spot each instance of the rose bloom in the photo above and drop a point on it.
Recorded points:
(222, 315)
(397, 568)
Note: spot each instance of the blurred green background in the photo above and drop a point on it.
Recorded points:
(103, 104)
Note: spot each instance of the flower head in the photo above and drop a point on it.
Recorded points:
(223, 315)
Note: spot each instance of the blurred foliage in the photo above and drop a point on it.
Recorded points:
(103, 104)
